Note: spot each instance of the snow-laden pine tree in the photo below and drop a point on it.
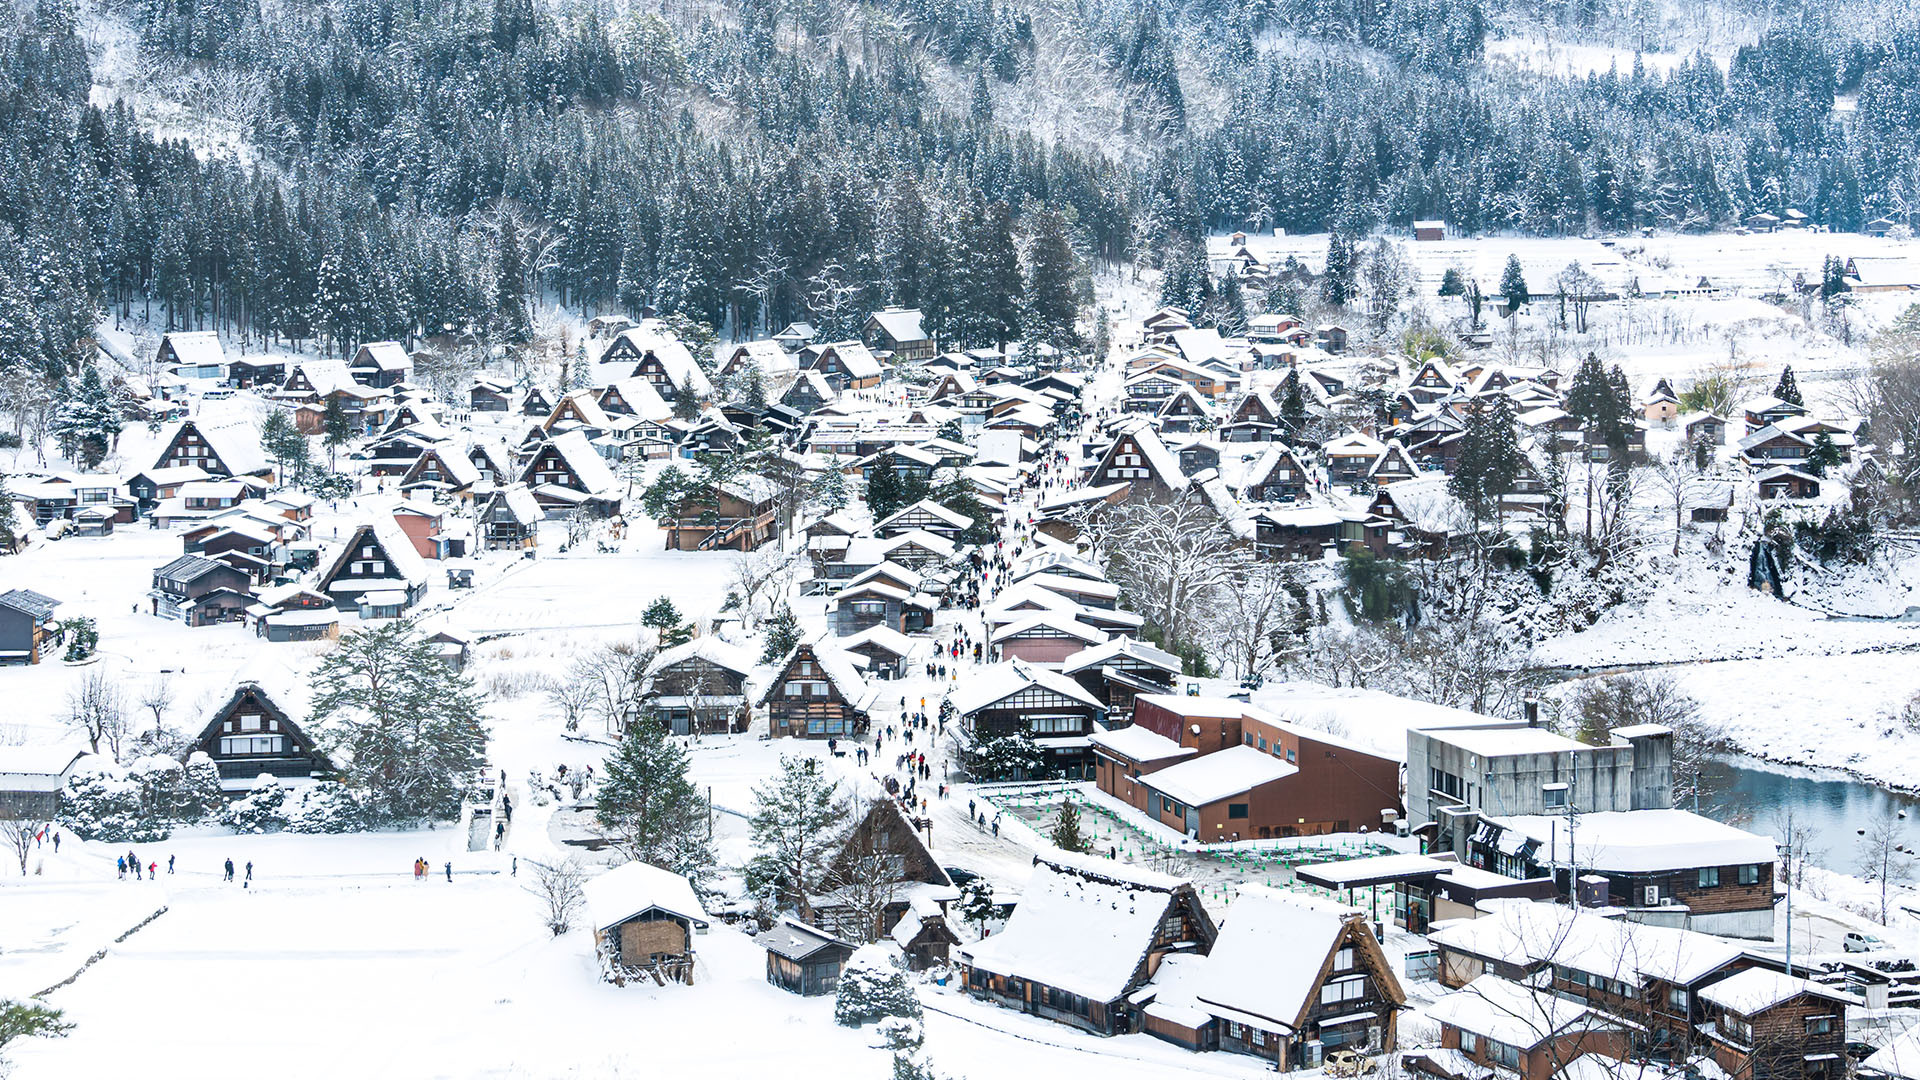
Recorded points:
(873, 987)
(798, 817)
(783, 633)
(647, 805)
(407, 726)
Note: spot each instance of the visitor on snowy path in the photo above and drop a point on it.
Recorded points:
(249, 869)
(229, 869)
(996, 825)
(449, 873)
(169, 865)
(153, 870)
(120, 866)
(56, 843)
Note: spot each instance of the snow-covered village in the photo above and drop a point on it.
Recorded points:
(579, 540)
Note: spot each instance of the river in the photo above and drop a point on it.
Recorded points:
(1832, 805)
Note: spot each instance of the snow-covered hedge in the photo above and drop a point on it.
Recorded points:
(108, 805)
(873, 987)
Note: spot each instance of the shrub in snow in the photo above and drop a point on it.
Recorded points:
(263, 810)
(107, 806)
(324, 808)
(873, 988)
(200, 794)
(902, 1033)
(162, 782)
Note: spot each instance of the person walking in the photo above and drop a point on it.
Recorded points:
(153, 871)
(249, 869)
(449, 873)
(169, 866)
(120, 866)
(229, 869)
(56, 843)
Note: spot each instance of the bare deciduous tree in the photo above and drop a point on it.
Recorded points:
(1881, 859)
(17, 831)
(1250, 616)
(572, 694)
(1166, 554)
(157, 698)
(760, 578)
(557, 887)
(97, 709)
(1598, 706)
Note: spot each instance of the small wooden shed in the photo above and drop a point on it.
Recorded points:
(644, 919)
(804, 959)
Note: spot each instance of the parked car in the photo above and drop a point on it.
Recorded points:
(1858, 942)
(959, 876)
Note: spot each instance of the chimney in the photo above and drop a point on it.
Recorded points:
(1531, 708)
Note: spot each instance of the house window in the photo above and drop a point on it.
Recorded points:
(1263, 743)
(1504, 1054)
(1339, 990)
(1735, 1028)
(1556, 797)
(1343, 960)
(1289, 755)
(249, 723)
(1709, 877)
(1677, 999)
(1236, 810)
(1469, 1043)
(1819, 1025)
(1750, 874)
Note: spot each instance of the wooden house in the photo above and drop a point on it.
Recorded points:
(882, 834)
(701, 687)
(229, 450)
(925, 515)
(644, 920)
(294, 613)
(150, 486)
(739, 515)
(649, 353)
(873, 603)
(489, 395)
(802, 959)
(509, 518)
(1016, 698)
(257, 371)
(380, 364)
(1290, 978)
(898, 332)
(809, 391)
(1770, 1026)
(1278, 476)
(1496, 1028)
(250, 735)
(1119, 671)
(536, 403)
(31, 779)
(887, 651)
(1350, 458)
(1183, 412)
(200, 590)
(1255, 419)
(1088, 933)
(1138, 458)
(1044, 637)
(565, 473)
(1783, 482)
(441, 470)
(579, 411)
(846, 365)
(192, 354)
(26, 626)
(376, 559)
(817, 693)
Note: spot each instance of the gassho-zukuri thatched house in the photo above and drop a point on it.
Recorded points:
(644, 919)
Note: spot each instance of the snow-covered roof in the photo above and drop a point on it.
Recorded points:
(1083, 925)
(384, 355)
(197, 348)
(458, 469)
(627, 890)
(1498, 740)
(1058, 621)
(887, 638)
(900, 324)
(36, 768)
(643, 400)
(1526, 934)
(1898, 1058)
(1139, 744)
(997, 681)
(706, 647)
(1375, 869)
(796, 940)
(1756, 990)
(1507, 1012)
(1221, 775)
(1131, 648)
(673, 354)
(587, 464)
(930, 508)
(1267, 960)
(1644, 841)
(854, 357)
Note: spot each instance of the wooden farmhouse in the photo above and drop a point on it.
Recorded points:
(1087, 934)
(510, 518)
(739, 515)
(1016, 698)
(200, 590)
(1119, 671)
(898, 332)
(377, 561)
(566, 474)
(26, 626)
(817, 693)
(845, 365)
(644, 920)
(219, 450)
(1290, 978)
(250, 735)
(645, 353)
(700, 687)
(1138, 458)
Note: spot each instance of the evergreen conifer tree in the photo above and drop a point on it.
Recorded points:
(783, 633)
(1337, 284)
(649, 807)
(798, 815)
(1066, 828)
(1513, 285)
(1787, 389)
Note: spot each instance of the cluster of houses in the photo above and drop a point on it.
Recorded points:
(1229, 421)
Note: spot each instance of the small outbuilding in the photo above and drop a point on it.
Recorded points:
(644, 919)
(804, 959)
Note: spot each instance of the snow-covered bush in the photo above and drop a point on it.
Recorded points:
(873, 988)
(200, 794)
(323, 808)
(106, 805)
(902, 1033)
(263, 810)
